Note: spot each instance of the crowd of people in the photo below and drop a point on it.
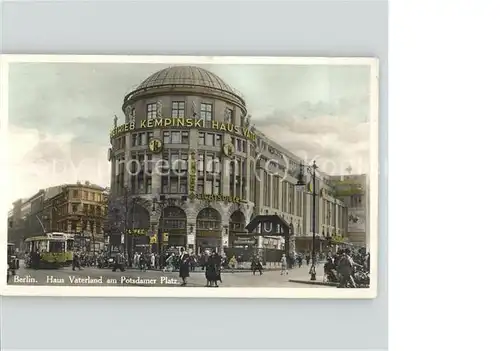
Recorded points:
(347, 267)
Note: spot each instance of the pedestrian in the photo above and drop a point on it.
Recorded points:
(345, 269)
(76, 261)
(284, 265)
(142, 262)
(153, 261)
(232, 263)
(119, 262)
(184, 266)
(212, 274)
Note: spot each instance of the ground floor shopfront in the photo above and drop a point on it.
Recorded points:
(198, 227)
(304, 244)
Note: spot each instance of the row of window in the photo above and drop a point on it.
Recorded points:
(74, 226)
(177, 160)
(182, 137)
(178, 110)
(174, 185)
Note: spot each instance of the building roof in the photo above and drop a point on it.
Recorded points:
(186, 76)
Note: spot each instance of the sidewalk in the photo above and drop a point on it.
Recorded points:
(307, 280)
(243, 268)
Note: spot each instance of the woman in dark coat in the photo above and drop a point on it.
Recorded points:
(212, 270)
(184, 266)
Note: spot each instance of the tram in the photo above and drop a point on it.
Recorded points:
(69, 244)
(45, 252)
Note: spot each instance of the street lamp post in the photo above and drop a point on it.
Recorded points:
(302, 184)
(159, 235)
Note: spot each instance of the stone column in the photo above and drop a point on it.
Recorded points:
(191, 213)
(154, 218)
(224, 237)
(126, 177)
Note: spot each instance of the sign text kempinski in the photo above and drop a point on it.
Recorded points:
(181, 122)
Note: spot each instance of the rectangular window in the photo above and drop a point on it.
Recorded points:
(201, 163)
(148, 163)
(164, 185)
(218, 140)
(199, 186)
(150, 136)
(201, 138)
(176, 137)
(217, 187)
(142, 139)
(183, 186)
(74, 208)
(178, 109)
(149, 185)
(237, 166)
(206, 113)
(140, 183)
(210, 163)
(228, 116)
(184, 162)
(174, 185)
(209, 139)
(184, 137)
(151, 110)
(216, 165)
(75, 193)
(238, 145)
(208, 187)
(175, 162)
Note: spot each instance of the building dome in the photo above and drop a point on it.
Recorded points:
(185, 77)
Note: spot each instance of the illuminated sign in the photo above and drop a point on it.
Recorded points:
(208, 197)
(182, 122)
(154, 238)
(192, 173)
(155, 145)
(138, 232)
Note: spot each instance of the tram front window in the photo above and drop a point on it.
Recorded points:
(56, 246)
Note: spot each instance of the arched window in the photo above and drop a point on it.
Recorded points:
(208, 219)
(173, 218)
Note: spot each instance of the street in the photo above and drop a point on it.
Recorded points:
(91, 276)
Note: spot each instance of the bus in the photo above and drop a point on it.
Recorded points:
(69, 246)
(45, 252)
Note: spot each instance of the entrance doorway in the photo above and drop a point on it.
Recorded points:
(208, 230)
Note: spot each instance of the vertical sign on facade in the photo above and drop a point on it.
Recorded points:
(192, 174)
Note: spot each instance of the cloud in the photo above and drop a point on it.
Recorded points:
(39, 160)
(335, 142)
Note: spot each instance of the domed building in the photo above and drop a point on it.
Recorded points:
(188, 164)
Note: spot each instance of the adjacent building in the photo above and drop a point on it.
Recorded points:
(187, 162)
(79, 209)
(71, 208)
(354, 193)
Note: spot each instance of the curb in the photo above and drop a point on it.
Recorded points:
(312, 282)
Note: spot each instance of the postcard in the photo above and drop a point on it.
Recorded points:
(181, 176)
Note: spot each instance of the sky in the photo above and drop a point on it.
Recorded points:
(60, 115)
